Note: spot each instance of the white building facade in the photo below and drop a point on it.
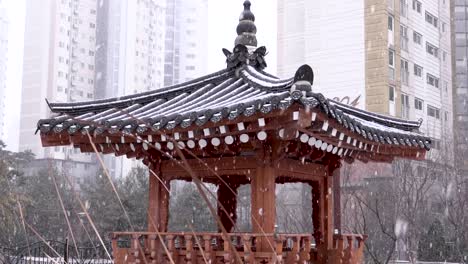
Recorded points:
(3, 66)
(185, 40)
(387, 56)
(58, 64)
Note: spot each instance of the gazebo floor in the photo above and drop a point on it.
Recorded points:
(189, 247)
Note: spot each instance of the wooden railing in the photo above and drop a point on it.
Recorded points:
(144, 247)
(347, 249)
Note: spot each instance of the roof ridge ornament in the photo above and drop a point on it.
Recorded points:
(244, 50)
(246, 28)
(303, 80)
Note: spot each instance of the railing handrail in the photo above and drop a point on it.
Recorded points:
(210, 233)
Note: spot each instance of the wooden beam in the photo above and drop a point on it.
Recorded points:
(210, 167)
(297, 169)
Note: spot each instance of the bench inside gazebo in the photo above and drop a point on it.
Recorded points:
(237, 126)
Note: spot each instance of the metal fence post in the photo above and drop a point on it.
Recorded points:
(65, 253)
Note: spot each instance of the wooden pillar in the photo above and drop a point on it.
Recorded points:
(158, 202)
(316, 212)
(264, 206)
(337, 200)
(227, 200)
(327, 205)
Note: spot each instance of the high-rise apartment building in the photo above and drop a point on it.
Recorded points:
(3, 66)
(148, 44)
(58, 64)
(387, 56)
(185, 44)
(130, 41)
(460, 84)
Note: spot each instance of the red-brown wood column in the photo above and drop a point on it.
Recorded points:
(337, 200)
(158, 204)
(327, 205)
(263, 205)
(317, 214)
(227, 200)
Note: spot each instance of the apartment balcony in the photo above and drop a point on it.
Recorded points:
(191, 247)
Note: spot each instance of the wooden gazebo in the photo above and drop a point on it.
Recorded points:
(237, 126)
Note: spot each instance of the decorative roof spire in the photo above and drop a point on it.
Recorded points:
(246, 29)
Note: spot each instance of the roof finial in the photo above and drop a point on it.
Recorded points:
(246, 29)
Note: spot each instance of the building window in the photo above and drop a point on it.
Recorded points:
(391, 93)
(431, 19)
(446, 116)
(190, 68)
(391, 58)
(92, 25)
(405, 106)
(431, 49)
(433, 112)
(404, 37)
(418, 104)
(418, 70)
(390, 23)
(432, 80)
(90, 67)
(417, 6)
(391, 64)
(417, 38)
(403, 8)
(59, 88)
(404, 71)
(444, 56)
(443, 27)
(91, 53)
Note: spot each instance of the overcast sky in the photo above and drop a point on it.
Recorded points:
(223, 17)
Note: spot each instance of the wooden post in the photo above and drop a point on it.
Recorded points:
(316, 212)
(327, 202)
(337, 200)
(158, 204)
(228, 200)
(264, 206)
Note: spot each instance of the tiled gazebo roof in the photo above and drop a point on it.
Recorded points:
(227, 94)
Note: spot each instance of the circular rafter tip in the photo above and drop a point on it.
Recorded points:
(244, 138)
(262, 135)
(229, 140)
